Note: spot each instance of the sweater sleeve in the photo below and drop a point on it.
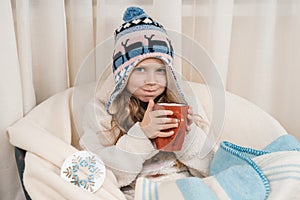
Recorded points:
(125, 156)
(197, 151)
(198, 148)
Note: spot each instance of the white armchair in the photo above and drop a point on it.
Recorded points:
(48, 134)
(245, 123)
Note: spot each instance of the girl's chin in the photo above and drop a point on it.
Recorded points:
(146, 99)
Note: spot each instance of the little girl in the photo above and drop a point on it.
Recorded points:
(120, 129)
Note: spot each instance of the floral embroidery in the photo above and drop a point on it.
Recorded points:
(84, 170)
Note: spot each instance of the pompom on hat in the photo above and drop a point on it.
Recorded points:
(139, 38)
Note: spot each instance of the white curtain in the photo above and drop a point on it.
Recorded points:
(11, 104)
(255, 45)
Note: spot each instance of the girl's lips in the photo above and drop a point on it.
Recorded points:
(149, 90)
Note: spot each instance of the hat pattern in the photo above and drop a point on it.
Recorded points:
(139, 47)
(138, 38)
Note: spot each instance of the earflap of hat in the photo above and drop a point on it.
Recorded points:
(174, 86)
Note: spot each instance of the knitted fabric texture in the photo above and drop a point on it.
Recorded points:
(139, 38)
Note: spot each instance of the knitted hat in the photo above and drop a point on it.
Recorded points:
(139, 38)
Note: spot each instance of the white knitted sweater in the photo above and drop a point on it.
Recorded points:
(126, 157)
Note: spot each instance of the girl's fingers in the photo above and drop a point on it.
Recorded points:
(167, 126)
(190, 110)
(165, 134)
(161, 113)
(150, 105)
(188, 128)
(165, 120)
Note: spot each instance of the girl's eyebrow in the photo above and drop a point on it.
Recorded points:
(151, 65)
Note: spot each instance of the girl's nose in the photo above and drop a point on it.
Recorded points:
(150, 78)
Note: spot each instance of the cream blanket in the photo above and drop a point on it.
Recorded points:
(45, 133)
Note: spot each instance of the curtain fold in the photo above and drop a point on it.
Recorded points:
(80, 34)
(253, 44)
(23, 37)
(11, 101)
(49, 47)
(221, 20)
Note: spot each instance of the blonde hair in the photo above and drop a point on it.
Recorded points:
(127, 110)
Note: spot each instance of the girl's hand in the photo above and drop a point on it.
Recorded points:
(156, 121)
(189, 119)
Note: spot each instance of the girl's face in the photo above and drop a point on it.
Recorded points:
(148, 79)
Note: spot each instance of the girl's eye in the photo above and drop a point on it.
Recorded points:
(139, 69)
(162, 70)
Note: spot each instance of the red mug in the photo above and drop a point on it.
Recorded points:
(175, 141)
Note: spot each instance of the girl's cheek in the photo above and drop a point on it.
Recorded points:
(162, 81)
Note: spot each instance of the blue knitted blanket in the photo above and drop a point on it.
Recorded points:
(237, 173)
